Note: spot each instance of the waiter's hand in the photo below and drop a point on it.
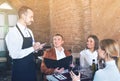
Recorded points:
(36, 46)
(42, 45)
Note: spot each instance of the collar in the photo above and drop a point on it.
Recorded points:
(21, 26)
(88, 50)
(61, 50)
(110, 62)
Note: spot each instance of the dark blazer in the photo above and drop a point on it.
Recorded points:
(51, 55)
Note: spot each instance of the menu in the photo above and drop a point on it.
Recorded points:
(64, 62)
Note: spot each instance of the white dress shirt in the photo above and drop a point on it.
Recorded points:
(14, 41)
(60, 54)
(109, 73)
(86, 57)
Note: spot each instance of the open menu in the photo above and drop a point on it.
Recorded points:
(64, 62)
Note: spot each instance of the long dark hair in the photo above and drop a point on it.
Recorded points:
(95, 38)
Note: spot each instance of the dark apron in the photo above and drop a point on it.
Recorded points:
(24, 69)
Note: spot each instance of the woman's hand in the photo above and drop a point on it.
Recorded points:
(74, 77)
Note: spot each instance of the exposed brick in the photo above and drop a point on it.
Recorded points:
(74, 19)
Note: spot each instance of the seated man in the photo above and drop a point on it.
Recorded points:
(57, 53)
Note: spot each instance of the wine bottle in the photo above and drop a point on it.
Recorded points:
(93, 67)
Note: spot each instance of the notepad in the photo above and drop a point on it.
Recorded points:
(64, 62)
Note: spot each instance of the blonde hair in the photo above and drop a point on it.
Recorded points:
(118, 63)
(111, 47)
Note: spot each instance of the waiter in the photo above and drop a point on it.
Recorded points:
(21, 45)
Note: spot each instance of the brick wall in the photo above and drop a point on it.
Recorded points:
(106, 18)
(41, 25)
(71, 18)
(74, 19)
(67, 19)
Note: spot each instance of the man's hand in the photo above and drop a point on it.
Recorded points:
(37, 46)
(57, 70)
(42, 45)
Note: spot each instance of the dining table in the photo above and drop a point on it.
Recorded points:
(86, 75)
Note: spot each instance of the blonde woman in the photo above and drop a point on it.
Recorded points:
(109, 51)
